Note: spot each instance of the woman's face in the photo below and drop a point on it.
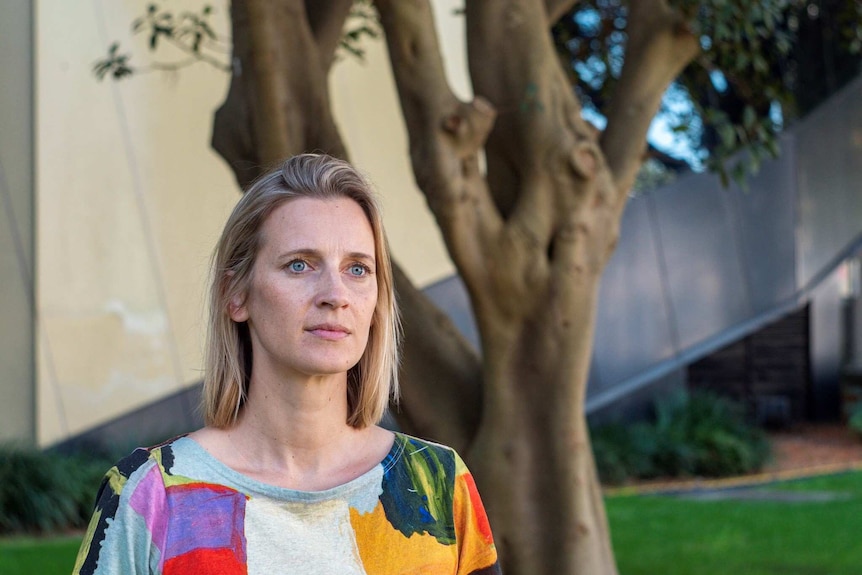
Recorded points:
(313, 289)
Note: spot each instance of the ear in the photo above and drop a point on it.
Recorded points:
(236, 308)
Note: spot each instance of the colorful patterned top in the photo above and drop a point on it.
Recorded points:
(175, 509)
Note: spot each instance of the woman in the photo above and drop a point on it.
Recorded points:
(291, 473)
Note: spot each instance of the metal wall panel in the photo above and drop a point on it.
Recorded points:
(633, 327)
(451, 296)
(764, 215)
(706, 285)
(829, 163)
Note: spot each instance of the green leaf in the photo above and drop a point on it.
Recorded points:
(727, 135)
(749, 116)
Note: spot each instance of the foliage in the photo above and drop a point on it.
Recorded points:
(855, 420)
(653, 174)
(192, 35)
(44, 492)
(697, 434)
(623, 452)
(361, 24)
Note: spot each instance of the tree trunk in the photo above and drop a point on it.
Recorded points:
(532, 455)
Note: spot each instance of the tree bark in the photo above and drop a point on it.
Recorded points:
(441, 374)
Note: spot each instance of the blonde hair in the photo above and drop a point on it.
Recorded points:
(227, 371)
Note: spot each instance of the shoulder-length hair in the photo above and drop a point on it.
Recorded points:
(228, 358)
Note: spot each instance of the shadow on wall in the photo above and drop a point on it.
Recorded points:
(152, 424)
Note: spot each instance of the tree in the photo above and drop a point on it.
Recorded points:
(530, 231)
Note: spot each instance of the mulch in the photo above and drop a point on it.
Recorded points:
(814, 445)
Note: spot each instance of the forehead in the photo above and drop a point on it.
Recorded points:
(317, 222)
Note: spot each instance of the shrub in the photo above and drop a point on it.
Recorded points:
(43, 492)
(692, 434)
(855, 420)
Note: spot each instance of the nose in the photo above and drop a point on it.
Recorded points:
(331, 291)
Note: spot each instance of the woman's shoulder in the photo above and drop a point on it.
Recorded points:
(143, 461)
(423, 488)
(415, 444)
(425, 456)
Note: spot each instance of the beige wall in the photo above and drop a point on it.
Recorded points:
(130, 201)
(17, 397)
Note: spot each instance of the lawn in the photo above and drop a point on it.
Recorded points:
(679, 536)
(660, 535)
(38, 556)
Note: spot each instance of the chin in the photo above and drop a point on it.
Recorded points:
(330, 367)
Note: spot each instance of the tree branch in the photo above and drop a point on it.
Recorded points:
(289, 103)
(508, 51)
(539, 138)
(445, 135)
(659, 46)
(513, 63)
(555, 9)
(232, 135)
(326, 18)
(448, 407)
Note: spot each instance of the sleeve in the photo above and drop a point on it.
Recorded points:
(477, 554)
(126, 530)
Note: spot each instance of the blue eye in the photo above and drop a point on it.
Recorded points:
(358, 270)
(297, 266)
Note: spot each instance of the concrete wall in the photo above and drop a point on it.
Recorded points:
(17, 392)
(130, 201)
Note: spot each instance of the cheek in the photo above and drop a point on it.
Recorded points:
(364, 306)
(372, 303)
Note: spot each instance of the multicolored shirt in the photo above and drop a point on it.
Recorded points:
(175, 509)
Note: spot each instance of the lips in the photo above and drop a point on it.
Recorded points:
(331, 331)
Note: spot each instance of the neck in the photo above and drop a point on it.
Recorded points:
(293, 433)
(294, 422)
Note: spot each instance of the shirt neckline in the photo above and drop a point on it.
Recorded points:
(250, 485)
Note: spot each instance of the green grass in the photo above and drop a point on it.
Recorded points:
(38, 556)
(655, 535)
(674, 536)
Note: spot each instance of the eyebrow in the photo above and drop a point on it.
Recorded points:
(316, 253)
